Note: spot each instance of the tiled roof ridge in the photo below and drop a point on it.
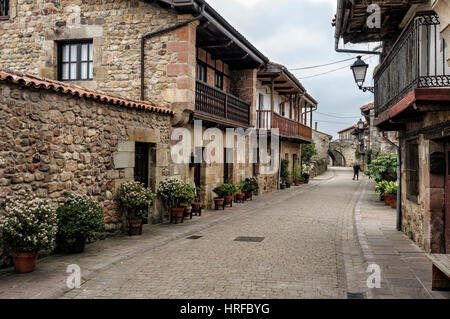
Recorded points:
(38, 82)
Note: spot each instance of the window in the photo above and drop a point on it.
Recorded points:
(261, 102)
(412, 170)
(4, 8)
(76, 61)
(141, 166)
(219, 80)
(201, 71)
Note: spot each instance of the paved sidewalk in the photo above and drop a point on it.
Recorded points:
(49, 278)
(406, 272)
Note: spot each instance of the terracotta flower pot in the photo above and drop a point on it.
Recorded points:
(297, 182)
(394, 202)
(387, 200)
(249, 196)
(228, 200)
(24, 262)
(218, 203)
(134, 227)
(196, 206)
(187, 211)
(240, 198)
(177, 214)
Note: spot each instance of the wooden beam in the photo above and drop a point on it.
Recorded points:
(215, 45)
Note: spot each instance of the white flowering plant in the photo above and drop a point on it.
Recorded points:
(135, 198)
(79, 217)
(176, 193)
(28, 225)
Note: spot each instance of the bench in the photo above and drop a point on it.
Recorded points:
(441, 271)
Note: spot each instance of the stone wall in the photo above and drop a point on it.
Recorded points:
(423, 221)
(345, 148)
(29, 43)
(53, 143)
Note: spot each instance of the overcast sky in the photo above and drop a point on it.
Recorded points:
(298, 33)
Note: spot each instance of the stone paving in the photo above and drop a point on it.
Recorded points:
(318, 241)
(405, 271)
(298, 258)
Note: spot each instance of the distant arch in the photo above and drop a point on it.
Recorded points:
(337, 158)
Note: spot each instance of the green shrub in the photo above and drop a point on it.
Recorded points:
(250, 185)
(383, 168)
(381, 187)
(308, 151)
(391, 189)
(284, 174)
(28, 225)
(79, 217)
(176, 193)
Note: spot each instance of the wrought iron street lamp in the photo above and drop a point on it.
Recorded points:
(360, 125)
(359, 69)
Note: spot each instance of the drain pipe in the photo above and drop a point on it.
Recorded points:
(399, 183)
(159, 32)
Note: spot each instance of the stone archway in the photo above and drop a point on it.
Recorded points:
(337, 158)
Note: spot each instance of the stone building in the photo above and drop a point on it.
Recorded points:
(284, 104)
(181, 55)
(57, 139)
(343, 151)
(322, 146)
(412, 96)
(376, 142)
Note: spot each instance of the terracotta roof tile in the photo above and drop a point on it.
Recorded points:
(367, 105)
(31, 80)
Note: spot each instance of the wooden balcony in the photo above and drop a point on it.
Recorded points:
(417, 60)
(217, 106)
(288, 128)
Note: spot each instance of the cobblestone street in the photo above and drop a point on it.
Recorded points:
(300, 256)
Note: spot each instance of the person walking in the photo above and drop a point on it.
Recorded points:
(356, 169)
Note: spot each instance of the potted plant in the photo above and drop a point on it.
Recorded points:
(228, 193)
(380, 189)
(177, 195)
(289, 181)
(197, 204)
(296, 175)
(391, 192)
(28, 226)
(284, 173)
(240, 195)
(219, 201)
(134, 198)
(78, 218)
(305, 173)
(250, 186)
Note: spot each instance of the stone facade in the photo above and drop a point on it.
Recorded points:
(423, 220)
(53, 143)
(322, 144)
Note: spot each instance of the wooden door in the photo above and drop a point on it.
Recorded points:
(141, 163)
(447, 201)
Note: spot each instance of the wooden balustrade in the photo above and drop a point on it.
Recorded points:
(287, 128)
(221, 105)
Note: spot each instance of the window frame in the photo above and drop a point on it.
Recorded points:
(5, 14)
(412, 170)
(79, 61)
(201, 64)
(218, 75)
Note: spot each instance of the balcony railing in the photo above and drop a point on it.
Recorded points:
(287, 128)
(222, 106)
(418, 59)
